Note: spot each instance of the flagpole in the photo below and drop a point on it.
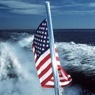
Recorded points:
(52, 49)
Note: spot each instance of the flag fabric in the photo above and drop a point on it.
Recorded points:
(42, 56)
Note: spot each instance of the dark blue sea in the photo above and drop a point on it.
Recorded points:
(85, 36)
(76, 48)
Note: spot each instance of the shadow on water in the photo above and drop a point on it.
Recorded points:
(84, 77)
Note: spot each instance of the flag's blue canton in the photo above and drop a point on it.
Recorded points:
(41, 39)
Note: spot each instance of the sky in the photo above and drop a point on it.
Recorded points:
(66, 14)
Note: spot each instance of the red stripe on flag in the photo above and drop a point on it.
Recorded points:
(48, 86)
(47, 79)
(57, 58)
(45, 70)
(43, 61)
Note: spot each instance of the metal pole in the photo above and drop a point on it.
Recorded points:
(52, 49)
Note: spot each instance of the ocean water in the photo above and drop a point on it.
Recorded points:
(18, 75)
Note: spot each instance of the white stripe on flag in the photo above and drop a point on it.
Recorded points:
(65, 77)
(50, 83)
(65, 82)
(60, 83)
(57, 62)
(46, 75)
(44, 66)
(42, 56)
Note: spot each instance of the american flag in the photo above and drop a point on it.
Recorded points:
(42, 56)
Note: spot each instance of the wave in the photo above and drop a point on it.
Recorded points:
(68, 52)
(77, 59)
(26, 42)
(18, 73)
(77, 53)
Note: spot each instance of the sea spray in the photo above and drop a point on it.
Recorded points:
(20, 78)
(14, 73)
(24, 80)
